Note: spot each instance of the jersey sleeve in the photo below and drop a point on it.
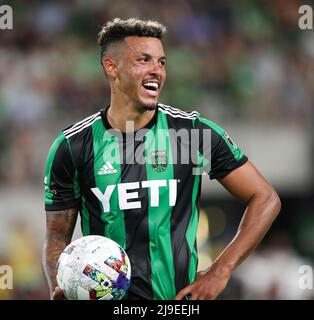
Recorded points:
(218, 152)
(61, 178)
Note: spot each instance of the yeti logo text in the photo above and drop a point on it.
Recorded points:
(6, 17)
(125, 196)
(306, 19)
(6, 277)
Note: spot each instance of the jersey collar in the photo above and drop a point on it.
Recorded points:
(149, 125)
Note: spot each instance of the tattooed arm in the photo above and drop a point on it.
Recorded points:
(60, 227)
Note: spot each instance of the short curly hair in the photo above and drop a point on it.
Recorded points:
(118, 29)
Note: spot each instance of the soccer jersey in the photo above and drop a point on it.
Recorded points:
(142, 189)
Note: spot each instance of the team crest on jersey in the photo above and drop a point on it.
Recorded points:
(158, 160)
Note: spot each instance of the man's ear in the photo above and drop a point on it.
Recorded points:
(110, 67)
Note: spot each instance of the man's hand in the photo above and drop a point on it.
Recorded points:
(208, 285)
(57, 294)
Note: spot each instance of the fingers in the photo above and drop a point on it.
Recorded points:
(184, 292)
(190, 292)
(57, 294)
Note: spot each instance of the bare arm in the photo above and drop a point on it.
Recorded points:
(60, 227)
(263, 206)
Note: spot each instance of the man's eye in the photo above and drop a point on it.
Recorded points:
(162, 62)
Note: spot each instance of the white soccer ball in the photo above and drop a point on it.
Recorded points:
(94, 268)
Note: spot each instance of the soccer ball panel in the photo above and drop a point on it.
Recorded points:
(94, 268)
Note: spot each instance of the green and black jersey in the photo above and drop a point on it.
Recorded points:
(142, 190)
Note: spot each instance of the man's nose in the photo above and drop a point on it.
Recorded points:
(156, 68)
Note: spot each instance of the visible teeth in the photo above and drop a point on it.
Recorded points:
(151, 84)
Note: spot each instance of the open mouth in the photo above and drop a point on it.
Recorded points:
(151, 86)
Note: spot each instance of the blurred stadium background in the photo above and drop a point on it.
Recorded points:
(242, 64)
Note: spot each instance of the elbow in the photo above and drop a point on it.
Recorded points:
(273, 201)
(269, 200)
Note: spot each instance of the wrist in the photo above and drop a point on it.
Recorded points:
(221, 270)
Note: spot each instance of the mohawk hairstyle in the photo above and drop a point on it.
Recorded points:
(118, 29)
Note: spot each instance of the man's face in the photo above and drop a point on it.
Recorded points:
(141, 71)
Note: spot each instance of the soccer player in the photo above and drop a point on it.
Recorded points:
(132, 172)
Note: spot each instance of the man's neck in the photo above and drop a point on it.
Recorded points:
(127, 118)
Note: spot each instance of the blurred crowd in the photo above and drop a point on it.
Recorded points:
(227, 59)
(239, 60)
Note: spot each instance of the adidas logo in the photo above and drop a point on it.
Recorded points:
(107, 168)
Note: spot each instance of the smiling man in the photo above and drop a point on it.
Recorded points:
(149, 206)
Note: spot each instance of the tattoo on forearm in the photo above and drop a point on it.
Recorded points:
(60, 227)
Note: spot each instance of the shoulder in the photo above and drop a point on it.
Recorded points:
(177, 113)
(80, 128)
(76, 132)
(72, 141)
(204, 123)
